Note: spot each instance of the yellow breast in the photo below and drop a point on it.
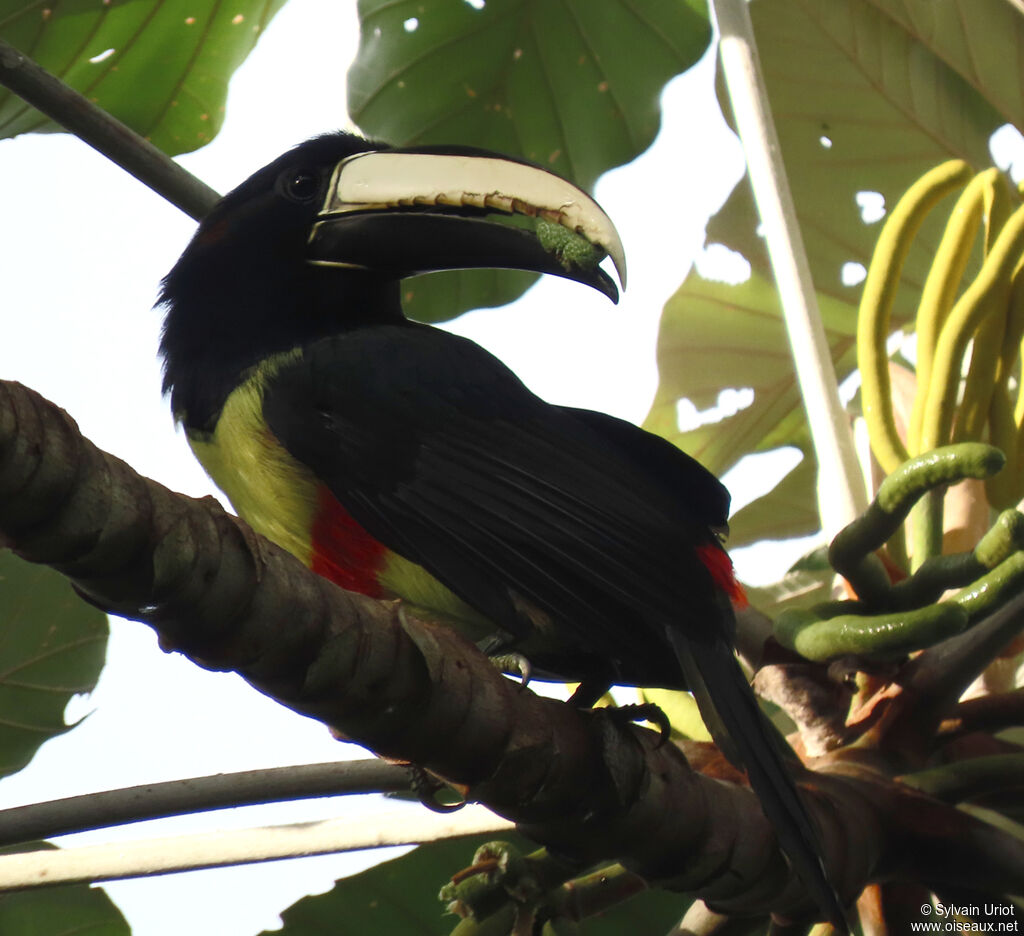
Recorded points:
(278, 497)
(275, 494)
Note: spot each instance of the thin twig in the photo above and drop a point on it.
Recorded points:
(939, 676)
(117, 860)
(104, 133)
(176, 797)
(986, 713)
(581, 782)
(965, 779)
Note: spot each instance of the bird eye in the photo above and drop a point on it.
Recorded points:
(300, 184)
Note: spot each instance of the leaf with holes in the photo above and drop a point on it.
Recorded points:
(867, 96)
(712, 336)
(162, 68)
(52, 646)
(569, 84)
(789, 509)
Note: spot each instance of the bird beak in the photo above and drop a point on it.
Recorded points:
(406, 212)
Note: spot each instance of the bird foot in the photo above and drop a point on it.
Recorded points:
(428, 790)
(513, 664)
(643, 711)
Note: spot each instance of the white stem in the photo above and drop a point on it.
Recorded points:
(841, 495)
(240, 846)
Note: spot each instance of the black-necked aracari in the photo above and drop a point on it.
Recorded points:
(399, 460)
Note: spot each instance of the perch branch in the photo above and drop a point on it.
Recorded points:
(579, 781)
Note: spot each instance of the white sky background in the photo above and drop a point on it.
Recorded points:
(84, 247)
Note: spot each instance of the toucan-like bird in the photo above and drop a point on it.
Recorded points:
(399, 460)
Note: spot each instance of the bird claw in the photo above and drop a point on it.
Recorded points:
(514, 664)
(644, 711)
(427, 787)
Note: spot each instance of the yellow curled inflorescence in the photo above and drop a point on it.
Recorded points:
(980, 322)
(942, 282)
(967, 423)
(877, 299)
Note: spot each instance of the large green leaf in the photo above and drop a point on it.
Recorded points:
(981, 40)
(807, 583)
(569, 84)
(52, 646)
(714, 336)
(867, 96)
(400, 896)
(160, 67)
(863, 103)
(61, 911)
(789, 509)
(397, 896)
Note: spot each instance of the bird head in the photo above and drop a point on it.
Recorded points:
(316, 242)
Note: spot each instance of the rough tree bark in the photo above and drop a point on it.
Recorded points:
(583, 783)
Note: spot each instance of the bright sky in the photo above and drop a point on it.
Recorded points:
(85, 247)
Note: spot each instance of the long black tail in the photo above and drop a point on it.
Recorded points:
(743, 734)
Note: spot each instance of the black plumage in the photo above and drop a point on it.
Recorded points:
(589, 545)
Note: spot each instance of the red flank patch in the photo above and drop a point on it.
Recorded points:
(342, 550)
(716, 560)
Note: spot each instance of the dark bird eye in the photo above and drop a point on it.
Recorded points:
(300, 185)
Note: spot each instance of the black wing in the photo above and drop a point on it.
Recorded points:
(442, 454)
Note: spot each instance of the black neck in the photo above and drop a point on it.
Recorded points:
(216, 330)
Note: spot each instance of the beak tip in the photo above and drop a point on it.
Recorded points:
(618, 256)
(606, 286)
